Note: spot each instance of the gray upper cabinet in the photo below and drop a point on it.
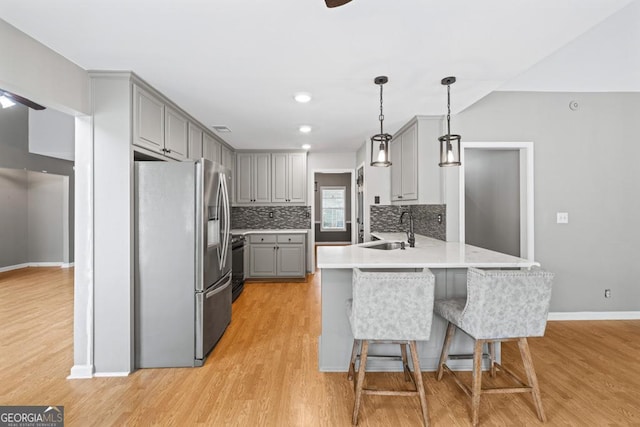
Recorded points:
(404, 167)
(253, 178)
(288, 177)
(176, 134)
(148, 123)
(416, 142)
(195, 142)
(226, 157)
(211, 148)
(160, 127)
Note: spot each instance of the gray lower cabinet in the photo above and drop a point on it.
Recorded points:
(277, 255)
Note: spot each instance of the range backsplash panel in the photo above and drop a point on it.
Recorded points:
(386, 219)
(271, 217)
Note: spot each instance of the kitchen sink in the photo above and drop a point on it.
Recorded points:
(387, 246)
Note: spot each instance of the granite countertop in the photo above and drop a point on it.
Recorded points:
(428, 253)
(245, 231)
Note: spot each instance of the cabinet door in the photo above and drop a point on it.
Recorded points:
(279, 181)
(263, 260)
(176, 134)
(410, 163)
(195, 142)
(262, 177)
(396, 168)
(244, 178)
(290, 261)
(148, 120)
(297, 177)
(210, 148)
(226, 157)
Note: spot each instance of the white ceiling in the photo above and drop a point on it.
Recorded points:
(239, 62)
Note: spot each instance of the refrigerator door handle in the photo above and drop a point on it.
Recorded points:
(227, 218)
(219, 202)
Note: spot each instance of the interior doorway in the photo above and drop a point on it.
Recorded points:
(496, 197)
(333, 208)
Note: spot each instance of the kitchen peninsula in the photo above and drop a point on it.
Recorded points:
(447, 260)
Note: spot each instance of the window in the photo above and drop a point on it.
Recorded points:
(333, 207)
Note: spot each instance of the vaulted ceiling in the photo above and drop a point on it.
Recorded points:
(238, 63)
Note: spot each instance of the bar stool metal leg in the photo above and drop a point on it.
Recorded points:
(405, 363)
(492, 358)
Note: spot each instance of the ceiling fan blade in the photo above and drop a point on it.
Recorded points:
(336, 3)
(24, 101)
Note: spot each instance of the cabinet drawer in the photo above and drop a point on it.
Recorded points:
(290, 238)
(262, 238)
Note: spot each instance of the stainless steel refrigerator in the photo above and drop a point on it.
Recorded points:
(183, 261)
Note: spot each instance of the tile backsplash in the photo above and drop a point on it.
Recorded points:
(386, 219)
(283, 217)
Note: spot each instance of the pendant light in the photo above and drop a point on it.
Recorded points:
(449, 144)
(380, 142)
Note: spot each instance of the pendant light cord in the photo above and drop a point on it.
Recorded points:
(448, 109)
(381, 117)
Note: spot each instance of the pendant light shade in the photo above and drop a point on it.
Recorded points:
(449, 144)
(380, 142)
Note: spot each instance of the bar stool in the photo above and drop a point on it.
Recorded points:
(390, 307)
(501, 305)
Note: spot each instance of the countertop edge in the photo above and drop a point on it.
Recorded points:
(245, 231)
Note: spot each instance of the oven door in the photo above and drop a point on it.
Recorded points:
(213, 315)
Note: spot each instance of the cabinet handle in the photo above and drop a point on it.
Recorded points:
(168, 151)
(399, 197)
(289, 239)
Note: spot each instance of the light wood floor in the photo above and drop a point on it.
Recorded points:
(264, 370)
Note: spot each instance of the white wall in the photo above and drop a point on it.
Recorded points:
(13, 218)
(33, 218)
(30, 69)
(47, 199)
(52, 133)
(586, 165)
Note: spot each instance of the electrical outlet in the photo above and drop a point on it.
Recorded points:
(270, 214)
(607, 293)
(562, 217)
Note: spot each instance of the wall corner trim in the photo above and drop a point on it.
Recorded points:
(81, 372)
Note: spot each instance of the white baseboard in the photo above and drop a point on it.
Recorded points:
(81, 372)
(67, 264)
(111, 374)
(45, 264)
(13, 267)
(595, 315)
(36, 264)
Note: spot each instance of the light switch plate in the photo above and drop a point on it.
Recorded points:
(562, 217)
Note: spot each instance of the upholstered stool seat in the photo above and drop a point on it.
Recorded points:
(390, 307)
(501, 305)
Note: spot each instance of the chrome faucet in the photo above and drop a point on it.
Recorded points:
(411, 237)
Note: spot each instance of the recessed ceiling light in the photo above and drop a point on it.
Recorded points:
(302, 97)
(305, 128)
(306, 146)
(221, 128)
